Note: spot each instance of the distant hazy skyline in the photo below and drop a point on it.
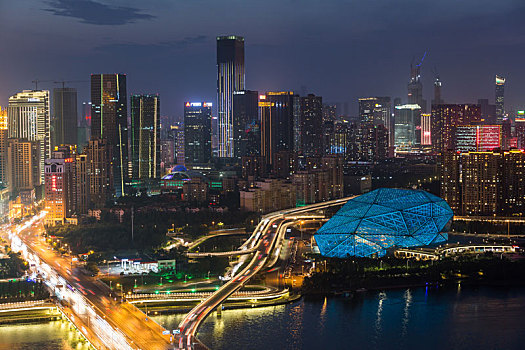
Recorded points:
(341, 50)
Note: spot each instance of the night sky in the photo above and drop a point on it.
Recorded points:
(340, 50)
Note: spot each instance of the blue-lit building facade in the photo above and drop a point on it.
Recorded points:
(369, 224)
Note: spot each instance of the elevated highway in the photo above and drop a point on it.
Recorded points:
(266, 238)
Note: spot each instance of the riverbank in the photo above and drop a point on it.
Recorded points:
(349, 276)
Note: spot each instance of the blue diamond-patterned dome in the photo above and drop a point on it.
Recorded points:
(373, 222)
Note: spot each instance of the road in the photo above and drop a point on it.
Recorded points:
(130, 328)
(263, 241)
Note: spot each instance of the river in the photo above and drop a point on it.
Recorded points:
(425, 318)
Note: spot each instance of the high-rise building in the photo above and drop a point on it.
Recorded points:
(407, 128)
(450, 180)
(437, 100)
(145, 136)
(329, 113)
(99, 173)
(415, 87)
(3, 147)
(376, 110)
(177, 135)
(65, 116)
(84, 126)
(109, 122)
(484, 183)
(60, 189)
(311, 126)
(519, 129)
(82, 183)
(246, 127)
(488, 111)
(23, 165)
(477, 138)
(426, 129)
(230, 78)
(364, 141)
(197, 132)
(500, 97)
(481, 182)
(446, 118)
(29, 118)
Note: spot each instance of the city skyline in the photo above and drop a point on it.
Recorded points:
(180, 65)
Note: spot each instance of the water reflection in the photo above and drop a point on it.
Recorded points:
(438, 318)
(55, 335)
(404, 321)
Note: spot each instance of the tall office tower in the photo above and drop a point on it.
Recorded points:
(376, 110)
(98, 173)
(176, 133)
(481, 176)
(59, 187)
(437, 100)
(230, 78)
(197, 132)
(500, 97)
(280, 112)
(145, 136)
(82, 183)
(329, 113)
(28, 118)
(69, 154)
(23, 165)
(3, 147)
(246, 131)
(109, 122)
(366, 142)
(506, 133)
(426, 129)
(311, 126)
(415, 87)
(519, 129)
(446, 118)
(488, 111)
(407, 122)
(84, 126)
(65, 116)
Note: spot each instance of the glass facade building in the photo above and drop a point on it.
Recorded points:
(373, 222)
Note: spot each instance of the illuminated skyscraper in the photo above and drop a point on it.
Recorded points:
(29, 118)
(109, 122)
(376, 110)
(415, 87)
(65, 116)
(3, 146)
(145, 136)
(437, 100)
(446, 118)
(23, 165)
(311, 126)
(280, 114)
(407, 121)
(230, 78)
(197, 132)
(246, 128)
(500, 97)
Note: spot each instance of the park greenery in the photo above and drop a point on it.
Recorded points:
(17, 290)
(352, 274)
(150, 226)
(12, 267)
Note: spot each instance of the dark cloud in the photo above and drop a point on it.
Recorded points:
(162, 47)
(92, 12)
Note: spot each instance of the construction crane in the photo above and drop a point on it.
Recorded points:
(63, 82)
(36, 81)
